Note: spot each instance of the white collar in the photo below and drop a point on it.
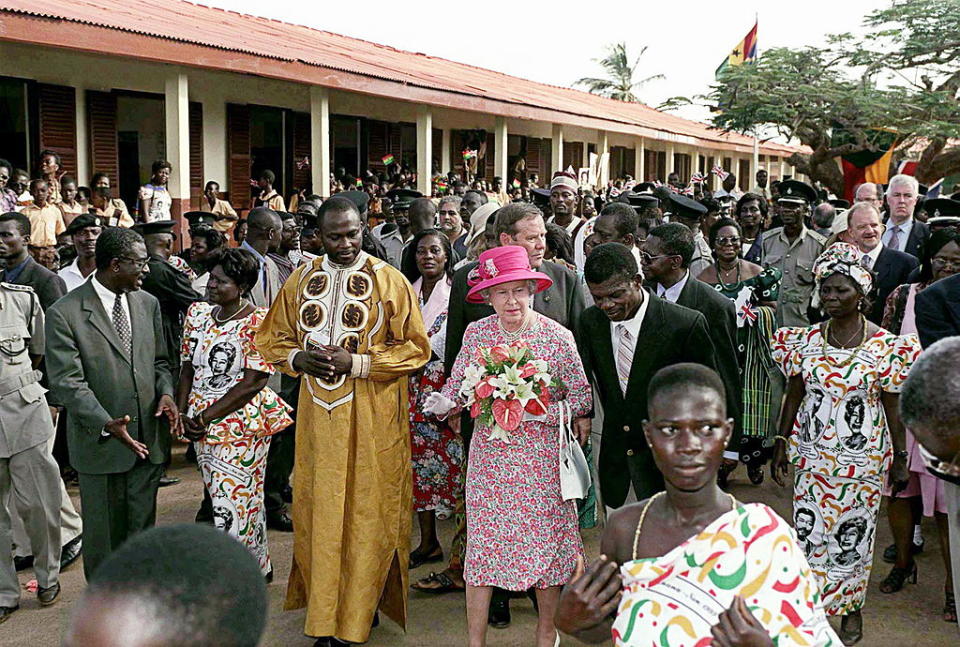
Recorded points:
(633, 324)
(330, 266)
(106, 294)
(672, 293)
(874, 254)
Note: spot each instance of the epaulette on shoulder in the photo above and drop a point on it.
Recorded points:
(17, 287)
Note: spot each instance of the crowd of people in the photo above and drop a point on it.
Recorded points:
(338, 364)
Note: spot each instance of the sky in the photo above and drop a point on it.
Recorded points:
(686, 40)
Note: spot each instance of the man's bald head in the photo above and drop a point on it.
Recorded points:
(422, 215)
(823, 215)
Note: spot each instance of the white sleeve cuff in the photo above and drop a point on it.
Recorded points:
(361, 366)
(290, 357)
(734, 456)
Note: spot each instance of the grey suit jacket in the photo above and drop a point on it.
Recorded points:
(96, 381)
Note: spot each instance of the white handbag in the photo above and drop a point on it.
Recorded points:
(574, 469)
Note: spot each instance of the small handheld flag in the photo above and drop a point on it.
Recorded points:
(719, 172)
(697, 178)
(516, 183)
(469, 154)
(387, 159)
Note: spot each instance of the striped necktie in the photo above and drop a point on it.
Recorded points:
(624, 356)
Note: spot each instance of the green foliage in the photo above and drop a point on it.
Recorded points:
(619, 83)
(901, 75)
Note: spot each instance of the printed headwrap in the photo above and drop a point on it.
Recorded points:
(842, 258)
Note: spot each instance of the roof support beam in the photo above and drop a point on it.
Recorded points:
(556, 149)
(177, 118)
(500, 150)
(424, 150)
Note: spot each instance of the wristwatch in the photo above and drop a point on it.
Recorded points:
(902, 453)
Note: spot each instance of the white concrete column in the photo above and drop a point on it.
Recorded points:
(500, 150)
(445, 165)
(782, 169)
(177, 114)
(585, 156)
(671, 162)
(718, 160)
(424, 149)
(603, 146)
(556, 149)
(638, 152)
(215, 157)
(320, 140)
(83, 137)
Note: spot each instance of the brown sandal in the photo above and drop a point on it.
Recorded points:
(446, 584)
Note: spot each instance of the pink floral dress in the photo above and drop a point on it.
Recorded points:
(520, 531)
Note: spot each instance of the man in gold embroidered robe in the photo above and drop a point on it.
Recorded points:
(350, 324)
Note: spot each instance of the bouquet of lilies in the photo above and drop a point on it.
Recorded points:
(503, 384)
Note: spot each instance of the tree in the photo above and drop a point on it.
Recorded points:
(619, 84)
(902, 76)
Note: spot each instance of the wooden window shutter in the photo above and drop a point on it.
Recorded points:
(302, 177)
(196, 152)
(534, 156)
(436, 153)
(57, 108)
(102, 121)
(572, 155)
(377, 135)
(395, 142)
(238, 155)
(490, 160)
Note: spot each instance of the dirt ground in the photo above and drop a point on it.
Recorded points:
(910, 618)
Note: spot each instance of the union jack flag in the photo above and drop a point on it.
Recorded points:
(719, 172)
(697, 178)
(686, 191)
(303, 163)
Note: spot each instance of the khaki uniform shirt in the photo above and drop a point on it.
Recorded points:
(71, 212)
(272, 200)
(225, 214)
(46, 223)
(107, 214)
(795, 261)
(24, 417)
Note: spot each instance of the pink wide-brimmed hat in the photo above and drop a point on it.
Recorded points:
(503, 265)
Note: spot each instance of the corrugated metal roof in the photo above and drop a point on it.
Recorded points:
(227, 30)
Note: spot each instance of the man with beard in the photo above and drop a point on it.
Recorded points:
(352, 474)
(793, 249)
(450, 210)
(112, 211)
(563, 202)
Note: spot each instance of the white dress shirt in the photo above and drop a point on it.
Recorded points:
(672, 293)
(902, 235)
(73, 277)
(107, 299)
(872, 255)
(632, 326)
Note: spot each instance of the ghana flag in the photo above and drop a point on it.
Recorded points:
(865, 165)
(744, 52)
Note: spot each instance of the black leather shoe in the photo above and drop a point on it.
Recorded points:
(23, 563)
(49, 595)
(890, 552)
(280, 521)
(498, 616)
(6, 612)
(71, 552)
(168, 480)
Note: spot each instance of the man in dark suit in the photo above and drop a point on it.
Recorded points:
(625, 339)
(109, 369)
(938, 311)
(904, 233)
(19, 267)
(892, 268)
(666, 260)
(518, 223)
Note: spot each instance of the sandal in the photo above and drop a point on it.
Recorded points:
(897, 577)
(949, 607)
(755, 472)
(418, 559)
(444, 582)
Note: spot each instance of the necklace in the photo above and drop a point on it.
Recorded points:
(514, 336)
(243, 304)
(643, 515)
(727, 286)
(862, 330)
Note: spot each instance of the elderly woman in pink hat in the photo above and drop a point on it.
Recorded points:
(521, 533)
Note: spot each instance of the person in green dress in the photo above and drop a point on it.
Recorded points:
(754, 291)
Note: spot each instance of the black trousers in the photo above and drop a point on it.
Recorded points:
(282, 450)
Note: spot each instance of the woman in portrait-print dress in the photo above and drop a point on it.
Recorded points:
(841, 430)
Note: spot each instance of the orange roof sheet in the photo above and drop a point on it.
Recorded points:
(185, 22)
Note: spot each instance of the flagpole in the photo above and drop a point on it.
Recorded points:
(756, 158)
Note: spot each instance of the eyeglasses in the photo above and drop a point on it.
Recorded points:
(732, 240)
(647, 258)
(138, 263)
(943, 263)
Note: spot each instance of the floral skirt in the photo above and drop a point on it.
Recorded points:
(437, 457)
(233, 475)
